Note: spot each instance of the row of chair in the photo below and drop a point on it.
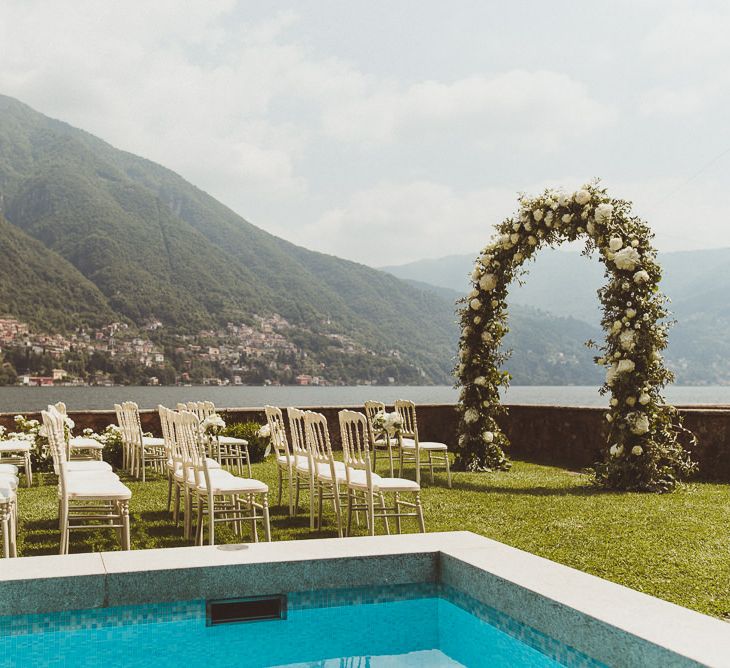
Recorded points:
(207, 489)
(308, 463)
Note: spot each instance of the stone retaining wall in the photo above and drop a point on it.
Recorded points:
(565, 436)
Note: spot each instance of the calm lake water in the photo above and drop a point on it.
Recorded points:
(16, 399)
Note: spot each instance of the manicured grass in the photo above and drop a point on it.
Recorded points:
(674, 546)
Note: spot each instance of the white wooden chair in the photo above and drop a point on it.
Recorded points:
(411, 447)
(79, 447)
(303, 472)
(144, 450)
(328, 473)
(9, 516)
(16, 453)
(364, 486)
(380, 441)
(177, 466)
(89, 501)
(220, 496)
(285, 459)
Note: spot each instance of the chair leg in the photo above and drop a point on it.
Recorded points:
(430, 464)
(320, 495)
(338, 509)
(28, 470)
(126, 538)
(267, 524)
(312, 493)
(211, 518)
(349, 512)
(169, 491)
(14, 530)
(296, 502)
(448, 471)
(371, 513)
(397, 512)
(281, 484)
(385, 510)
(6, 533)
(419, 513)
(390, 459)
(290, 481)
(64, 527)
(418, 466)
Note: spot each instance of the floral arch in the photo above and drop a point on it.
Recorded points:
(643, 451)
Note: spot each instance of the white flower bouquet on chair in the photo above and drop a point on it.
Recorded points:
(387, 424)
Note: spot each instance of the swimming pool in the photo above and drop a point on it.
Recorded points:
(413, 625)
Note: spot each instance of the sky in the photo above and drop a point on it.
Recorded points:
(390, 131)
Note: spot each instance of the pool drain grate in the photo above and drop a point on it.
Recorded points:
(250, 609)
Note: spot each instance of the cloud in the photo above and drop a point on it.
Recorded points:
(530, 107)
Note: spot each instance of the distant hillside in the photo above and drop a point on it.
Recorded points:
(151, 246)
(564, 283)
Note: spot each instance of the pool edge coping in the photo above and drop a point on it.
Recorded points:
(690, 635)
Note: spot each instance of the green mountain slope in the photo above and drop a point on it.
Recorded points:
(158, 247)
(41, 288)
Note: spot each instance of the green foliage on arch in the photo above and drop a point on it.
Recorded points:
(644, 450)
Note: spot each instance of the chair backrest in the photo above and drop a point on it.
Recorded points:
(407, 411)
(187, 437)
(372, 408)
(279, 442)
(60, 407)
(355, 450)
(168, 435)
(53, 423)
(132, 423)
(318, 438)
(298, 432)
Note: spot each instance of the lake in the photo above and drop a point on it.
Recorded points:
(17, 399)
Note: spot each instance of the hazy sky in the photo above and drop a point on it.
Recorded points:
(390, 131)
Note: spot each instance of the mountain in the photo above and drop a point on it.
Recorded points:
(148, 246)
(564, 283)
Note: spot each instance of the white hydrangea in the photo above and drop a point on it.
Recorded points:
(567, 217)
(480, 380)
(603, 214)
(564, 198)
(641, 277)
(644, 398)
(471, 415)
(615, 243)
(475, 304)
(625, 366)
(582, 197)
(488, 437)
(616, 450)
(627, 258)
(626, 339)
(638, 422)
(488, 282)
(532, 240)
(537, 214)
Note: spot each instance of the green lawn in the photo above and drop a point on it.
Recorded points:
(674, 546)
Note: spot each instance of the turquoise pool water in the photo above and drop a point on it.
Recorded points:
(416, 626)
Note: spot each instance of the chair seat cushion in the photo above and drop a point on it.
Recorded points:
(424, 445)
(397, 485)
(9, 480)
(212, 473)
(231, 484)
(78, 466)
(296, 460)
(230, 440)
(85, 443)
(97, 487)
(15, 446)
(322, 468)
(12, 469)
(153, 441)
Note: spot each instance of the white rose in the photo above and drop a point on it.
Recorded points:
(635, 243)
(537, 214)
(548, 218)
(518, 257)
(626, 339)
(480, 380)
(627, 258)
(516, 226)
(488, 436)
(630, 313)
(477, 272)
(590, 228)
(609, 417)
(503, 240)
(532, 240)
(528, 226)
(641, 277)
(637, 450)
(471, 415)
(567, 217)
(625, 366)
(582, 197)
(475, 304)
(514, 238)
(617, 326)
(265, 431)
(614, 402)
(563, 199)
(644, 398)
(630, 401)
(477, 319)
(615, 243)
(473, 293)
(488, 282)
(486, 337)
(604, 213)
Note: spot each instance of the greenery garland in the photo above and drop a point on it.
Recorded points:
(644, 451)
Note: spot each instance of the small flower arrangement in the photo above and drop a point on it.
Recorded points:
(387, 423)
(212, 425)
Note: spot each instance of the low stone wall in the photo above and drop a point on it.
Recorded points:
(566, 436)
